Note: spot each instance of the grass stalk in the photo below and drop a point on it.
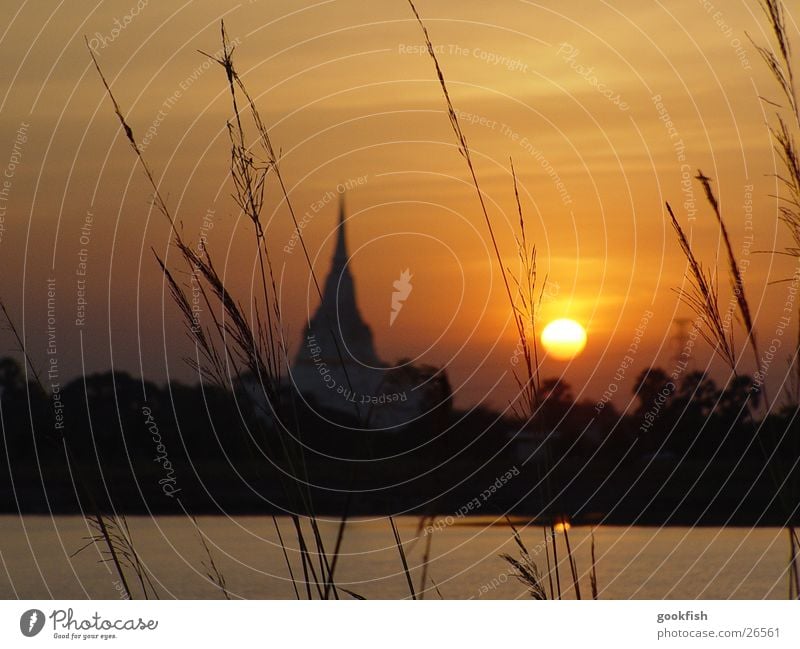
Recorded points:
(547, 558)
(522, 302)
(593, 573)
(97, 518)
(425, 565)
(525, 569)
(403, 559)
(779, 63)
(794, 573)
(572, 565)
(784, 137)
(702, 297)
(331, 585)
(464, 150)
(257, 348)
(286, 557)
(555, 559)
(213, 572)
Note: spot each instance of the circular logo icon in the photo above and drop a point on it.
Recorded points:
(31, 622)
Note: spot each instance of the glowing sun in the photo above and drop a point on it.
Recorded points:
(564, 339)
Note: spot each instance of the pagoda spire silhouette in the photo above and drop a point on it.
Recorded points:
(336, 367)
(336, 364)
(338, 322)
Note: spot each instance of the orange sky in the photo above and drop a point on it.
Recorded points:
(576, 93)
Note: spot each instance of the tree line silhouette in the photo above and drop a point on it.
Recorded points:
(685, 452)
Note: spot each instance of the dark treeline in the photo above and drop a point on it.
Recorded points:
(685, 453)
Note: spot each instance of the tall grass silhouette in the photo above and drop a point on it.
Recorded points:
(521, 292)
(785, 131)
(234, 347)
(702, 295)
(112, 534)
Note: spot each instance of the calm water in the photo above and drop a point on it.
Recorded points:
(647, 563)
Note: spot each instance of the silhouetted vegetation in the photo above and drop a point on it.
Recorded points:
(694, 458)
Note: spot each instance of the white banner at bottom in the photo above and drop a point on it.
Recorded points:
(403, 624)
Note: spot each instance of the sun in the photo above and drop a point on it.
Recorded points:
(564, 339)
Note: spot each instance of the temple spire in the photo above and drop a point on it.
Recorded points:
(337, 322)
(340, 255)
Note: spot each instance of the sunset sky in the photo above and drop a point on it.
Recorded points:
(580, 95)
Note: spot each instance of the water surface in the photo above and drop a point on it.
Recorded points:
(637, 562)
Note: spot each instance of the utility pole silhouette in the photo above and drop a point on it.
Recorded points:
(679, 337)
